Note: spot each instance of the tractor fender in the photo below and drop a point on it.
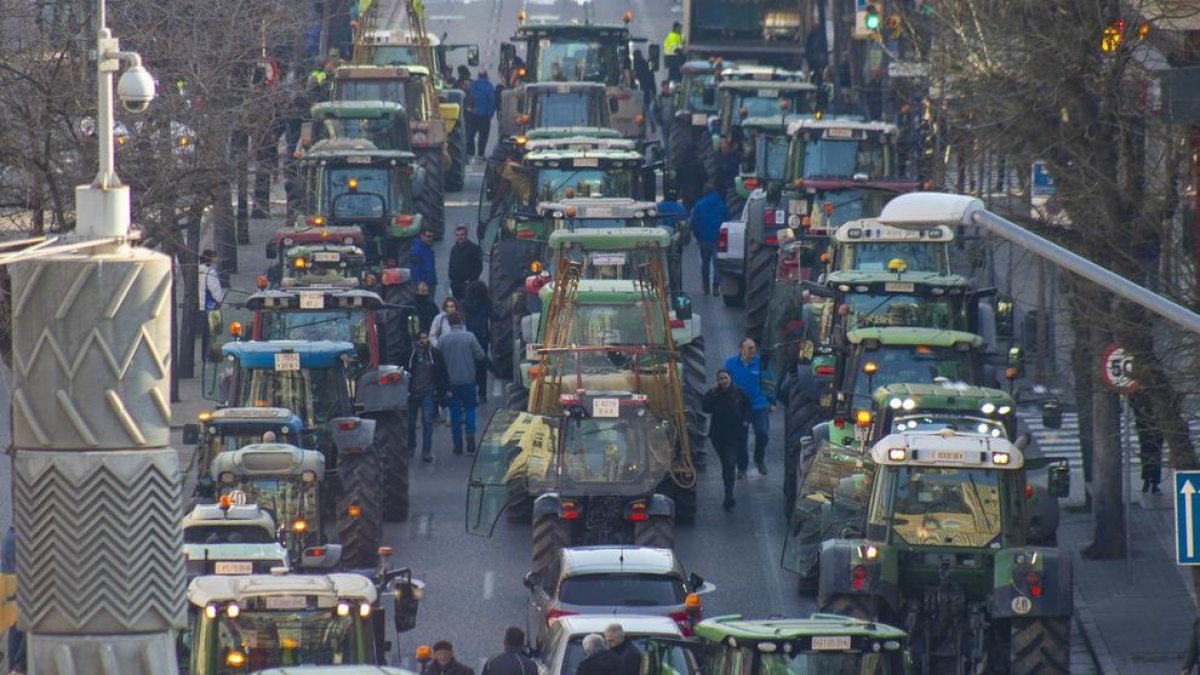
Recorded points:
(352, 435)
(838, 560)
(660, 505)
(1011, 595)
(379, 390)
(546, 504)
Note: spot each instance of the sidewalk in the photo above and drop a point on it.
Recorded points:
(1135, 620)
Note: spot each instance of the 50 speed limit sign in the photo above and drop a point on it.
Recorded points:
(1116, 367)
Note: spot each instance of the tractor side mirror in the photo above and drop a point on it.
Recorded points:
(406, 597)
(613, 105)
(306, 135)
(1058, 480)
(1052, 414)
(655, 52)
(532, 580)
(473, 55)
(191, 434)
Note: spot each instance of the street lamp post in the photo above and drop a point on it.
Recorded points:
(96, 486)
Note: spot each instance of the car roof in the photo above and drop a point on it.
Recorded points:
(584, 560)
(635, 624)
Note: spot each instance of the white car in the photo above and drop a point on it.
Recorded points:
(731, 258)
(564, 641)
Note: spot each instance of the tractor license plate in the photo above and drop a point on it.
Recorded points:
(899, 287)
(699, 119)
(233, 567)
(606, 407)
(839, 133)
(587, 162)
(599, 212)
(768, 93)
(311, 300)
(365, 159)
(608, 259)
(286, 602)
(949, 456)
(287, 362)
(828, 643)
(326, 256)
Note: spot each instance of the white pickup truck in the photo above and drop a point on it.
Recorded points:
(731, 258)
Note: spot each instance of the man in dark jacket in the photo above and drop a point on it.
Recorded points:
(481, 107)
(631, 656)
(444, 662)
(426, 388)
(729, 414)
(422, 262)
(598, 659)
(707, 216)
(466, 263)
(511, 661)
(424, 306)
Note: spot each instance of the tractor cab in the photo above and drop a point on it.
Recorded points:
(543, 105)
(231, 539)
(383, 123)
(411, 86)
(228, 429)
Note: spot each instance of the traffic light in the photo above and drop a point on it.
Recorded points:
(868, 19)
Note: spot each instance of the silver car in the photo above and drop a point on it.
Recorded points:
(564, 641)
(615, 580)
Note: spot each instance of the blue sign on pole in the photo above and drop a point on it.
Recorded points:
(1187, 517)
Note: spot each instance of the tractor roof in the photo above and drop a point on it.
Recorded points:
(583, 159)
(722, 628)
(600, 292)
(326, 589)
(774, 85)
(269, 459)
(583, 133)
(356, 109)
(912, 337)
(343, 234)
(955, 396)
(314, 354)
(400, 38)
(576, 139)
(243, 514)
(777, 123)
(403, 72)
(754, 71)
(871, 231)
(600, 207)
(611, 238)
(354, 151)
(947, 448)
(565, 87)
(330, 298)
(881, 282)
(834, 124)
(265, 419)
(533, 31)
(699, 67)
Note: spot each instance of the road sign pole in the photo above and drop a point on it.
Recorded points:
(1127, 442)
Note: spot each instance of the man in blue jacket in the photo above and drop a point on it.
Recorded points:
(421, 261)
(749, 374)
(707, 216)
(481, 106)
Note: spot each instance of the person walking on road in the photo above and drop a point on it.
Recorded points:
(598, 659)
(513, 660)
(211, 295)
(444, 662)
(481, 108)
(463, 357)
(466, 263)
(729, 414)
(672, 49)
(707, 216)
(16, 638)
(630, 655)
(477, 308)
(427, 387)
(423, 263)
(424, 306)
(749, 374)
(441, 322)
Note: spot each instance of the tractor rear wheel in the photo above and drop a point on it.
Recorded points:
(551, 534)
(1041, 646)
(680, 147)
(760, 273)
(456, 145)
(865, 607)
(695, 376)
(361, 488)
(391, 439)
(430, 200)
(655, 532)
(395, 342)
(505, 285)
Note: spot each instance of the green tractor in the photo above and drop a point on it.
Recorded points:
(313, 380)
(557, 105)
(691, 107)
(943, 551)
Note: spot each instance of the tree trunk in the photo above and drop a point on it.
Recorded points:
(1108, 515)
(225, 232)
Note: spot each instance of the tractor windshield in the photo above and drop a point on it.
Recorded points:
(335, 325)
(382, 132)
(228, 441)
(848, 205)
(269, 639)
(964, 423)
(564, 60)
(569, 109)
(936, 506)
(313, 394)
(817, 663)
(766, 102)
(632, 452)
(698, 89)
(638, 323)
(874, 257)
(361, 89)
(598, 182)
(909, 311)
(399, 55)
(917, 364)
(227, 534)
(358, 192)
(287, 500)
(843, 158)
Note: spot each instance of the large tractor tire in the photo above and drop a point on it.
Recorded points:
(391, 440)
(708, 157)
(760, 273)
(865, 607)
(430, 200)
(1041, 646)
(505, 284)
(456, 146)
(655, 532)
(362, 487)
(681, 149)
(395, 342)
(517, 396)
(551, 534)
(695, 376)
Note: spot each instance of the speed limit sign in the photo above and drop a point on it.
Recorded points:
(1116, 367)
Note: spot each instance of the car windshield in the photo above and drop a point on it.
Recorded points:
(622, 590)
(313, 394)
(561, 60)
(337, 325)
(271, 639)
(599, 182)
(933, 422)
(935, 506)
(910, 311)
(816, 663)
(286, 500)
(676, 661)
(843, 158)
(570, 109)
(919, 364)
(227, 534)
(874, 257)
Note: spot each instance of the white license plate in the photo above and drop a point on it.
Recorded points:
(699, 119)
(311, 300)
(286, 602)
(606, 407)
(599, 212)
(233, 567)
(899, 287)
(608, 259)
(947, 455)
(828, 643)
(768, 93)
(326, 256)
(839, 133)
(287, 362)
(359, 160)
(587, 162)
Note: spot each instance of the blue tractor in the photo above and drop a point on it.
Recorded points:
(228, 429)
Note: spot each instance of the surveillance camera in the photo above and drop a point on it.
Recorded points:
(136, 89)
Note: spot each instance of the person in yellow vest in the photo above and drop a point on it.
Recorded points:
(672, 47)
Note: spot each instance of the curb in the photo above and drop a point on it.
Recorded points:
(1093, 638)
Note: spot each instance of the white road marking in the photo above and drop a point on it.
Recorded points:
(423, 525)
(489, 584)
(446, 17)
